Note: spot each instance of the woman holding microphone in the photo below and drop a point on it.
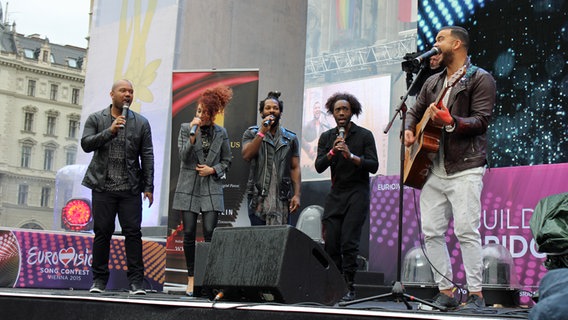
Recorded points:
(205, 156)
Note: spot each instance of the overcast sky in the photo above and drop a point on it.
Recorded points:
(61, 21)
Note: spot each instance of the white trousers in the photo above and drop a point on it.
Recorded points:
(460, 197)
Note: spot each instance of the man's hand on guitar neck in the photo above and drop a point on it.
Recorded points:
(441, 116)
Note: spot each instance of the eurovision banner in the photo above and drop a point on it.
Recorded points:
(239, 114)
(508, 200)
(50, 260)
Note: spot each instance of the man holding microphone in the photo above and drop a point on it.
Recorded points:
(274, 154)
(350, 151)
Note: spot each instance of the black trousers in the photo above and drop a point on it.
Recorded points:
(344, 216)
(209, 223)
(106, 206)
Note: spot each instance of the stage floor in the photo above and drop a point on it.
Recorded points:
(17, 303)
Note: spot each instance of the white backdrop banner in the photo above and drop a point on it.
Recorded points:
(134, 40)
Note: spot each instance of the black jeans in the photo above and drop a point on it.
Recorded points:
(342, 230)
(189, 233)
(106, 205)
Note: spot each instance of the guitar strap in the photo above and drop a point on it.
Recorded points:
(471, 69)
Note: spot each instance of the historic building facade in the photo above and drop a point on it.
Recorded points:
(41, 94)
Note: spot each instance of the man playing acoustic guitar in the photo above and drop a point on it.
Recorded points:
(459, 102)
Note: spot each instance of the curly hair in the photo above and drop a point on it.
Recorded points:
(214, 100)
(356, 108)
(272, 95)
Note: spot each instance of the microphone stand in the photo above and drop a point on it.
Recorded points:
(397, 291)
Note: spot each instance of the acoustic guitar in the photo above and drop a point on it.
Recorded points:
(418, 156)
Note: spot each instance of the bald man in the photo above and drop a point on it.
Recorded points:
(121, 172)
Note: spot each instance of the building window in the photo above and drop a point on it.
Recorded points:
(29, 122)
(45, 194)
(73, 128)
(31, 88)
(23, 194)
(49, 154)
(75, 96)
(29, 53)
(26, 156)
(70, 156)
(53, 92)
(51, 125)
(71, 62)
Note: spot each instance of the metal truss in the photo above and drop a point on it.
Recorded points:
(361, 58)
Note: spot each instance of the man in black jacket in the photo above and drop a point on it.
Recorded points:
(122, 168)
(350, 151)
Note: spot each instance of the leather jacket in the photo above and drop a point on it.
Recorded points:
(259, 177)
(471, 103)
(139, 150)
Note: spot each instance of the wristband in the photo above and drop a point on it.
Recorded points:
(260, 134)
(331, 152)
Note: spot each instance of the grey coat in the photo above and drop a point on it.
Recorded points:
(193, 192)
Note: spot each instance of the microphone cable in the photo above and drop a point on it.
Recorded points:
(457, 287)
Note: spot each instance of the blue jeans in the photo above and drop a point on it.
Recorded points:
(254, 219)
(552, 296)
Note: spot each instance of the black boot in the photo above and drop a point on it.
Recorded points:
(350, 281)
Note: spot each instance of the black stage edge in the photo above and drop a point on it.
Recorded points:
(506, 297)
(46, 304)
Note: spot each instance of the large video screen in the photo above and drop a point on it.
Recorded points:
(523, 44)
(374, 95)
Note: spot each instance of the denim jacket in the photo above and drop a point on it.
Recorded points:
(259, 177)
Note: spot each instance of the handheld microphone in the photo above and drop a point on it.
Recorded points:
(342, 132)
(193, 130)
(267, 122)
(426, 55)
(125, 108)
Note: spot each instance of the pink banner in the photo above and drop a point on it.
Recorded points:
(36, 259)
(508, 200)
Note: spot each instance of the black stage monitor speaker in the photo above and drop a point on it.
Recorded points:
(201, 253)
(271, 264)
